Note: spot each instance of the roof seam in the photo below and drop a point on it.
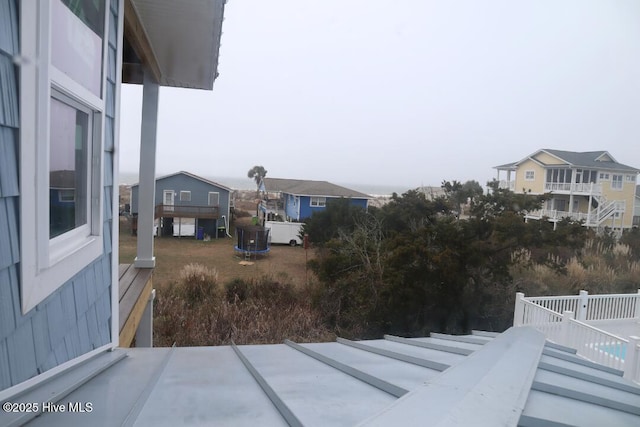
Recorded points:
(282, 407)
(376, 382)
(135, 410)
(437, 366)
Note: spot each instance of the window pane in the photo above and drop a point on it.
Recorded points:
(76, 41)
(90, 12)
(68, 168)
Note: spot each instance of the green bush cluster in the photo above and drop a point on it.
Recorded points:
(414, 266)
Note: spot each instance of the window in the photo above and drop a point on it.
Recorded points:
(529, 175)
(62, 115)
(67, 195)
(631, 178)
(604, 176)
(318, 201)
(185, 196)
(214, 198)
(616, 182)
(69, 158)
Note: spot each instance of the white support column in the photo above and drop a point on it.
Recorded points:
(147, 180)
(144, 334)
(631, 359)
(583, 305)
(637, 312)
(518, 311)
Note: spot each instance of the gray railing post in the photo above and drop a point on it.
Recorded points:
(144, 333)
(583, 304)
(518, 310)
(631, 358)
(565, 329)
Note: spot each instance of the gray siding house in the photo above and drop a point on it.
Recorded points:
(62, 64)
(185, 195)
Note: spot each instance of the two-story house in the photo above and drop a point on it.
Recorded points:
(591, 186)
(185, 195)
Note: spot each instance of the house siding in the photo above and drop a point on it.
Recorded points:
(627, 193)
(291, 206)
(537, 185)
(306, 210)
(181, 182)
(77, 317)
(548, 159)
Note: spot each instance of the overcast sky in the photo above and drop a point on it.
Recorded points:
(402, 92)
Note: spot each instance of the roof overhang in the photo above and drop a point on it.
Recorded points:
(177, 41)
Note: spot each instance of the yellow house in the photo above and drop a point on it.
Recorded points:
(592, 187)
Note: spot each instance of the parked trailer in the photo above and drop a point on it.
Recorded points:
(287, 233)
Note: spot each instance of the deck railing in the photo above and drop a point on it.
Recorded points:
(586, 188)
(545, 320)
(185, 211)
(593, 307)
(594, 344)
(509, 185)
(544, 314)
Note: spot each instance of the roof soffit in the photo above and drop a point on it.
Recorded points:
(185, 39)
(177, 40)
(135, 34)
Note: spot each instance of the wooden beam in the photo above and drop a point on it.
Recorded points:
(136, 35)
(133, 304)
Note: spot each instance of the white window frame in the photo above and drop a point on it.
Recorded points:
(617, 185)
(318, 202)
(529, 175)
(46, 264)
(63, 191)
(185, 196)
(631, 178)
(604, 176)
(164, 200)
(217, 194)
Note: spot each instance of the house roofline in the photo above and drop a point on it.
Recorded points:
(189, 174)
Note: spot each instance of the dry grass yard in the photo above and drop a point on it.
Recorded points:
(282, 263)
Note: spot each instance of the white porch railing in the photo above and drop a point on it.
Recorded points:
(557, 215)
(510, 185)
(567, 187)
(595, 218)
(543, 313)
(593, 307)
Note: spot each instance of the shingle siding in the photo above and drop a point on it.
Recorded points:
(7, 319)
(22, 354)
(8, 27)
(9, 111)
(41, 337)
(66, 324)
(6, 256)
(5, 374)
(8, 162)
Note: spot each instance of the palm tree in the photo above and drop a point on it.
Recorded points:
(257, 173)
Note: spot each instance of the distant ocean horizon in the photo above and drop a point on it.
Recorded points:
(235, 183)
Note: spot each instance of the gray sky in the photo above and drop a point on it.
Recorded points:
(402, 92)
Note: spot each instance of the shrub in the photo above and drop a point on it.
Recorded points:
(190, 313)
(198, 283)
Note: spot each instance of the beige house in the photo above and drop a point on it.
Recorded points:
(591, 186)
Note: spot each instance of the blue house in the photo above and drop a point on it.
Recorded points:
(185, 195)
(299, 199)
(64, 299)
